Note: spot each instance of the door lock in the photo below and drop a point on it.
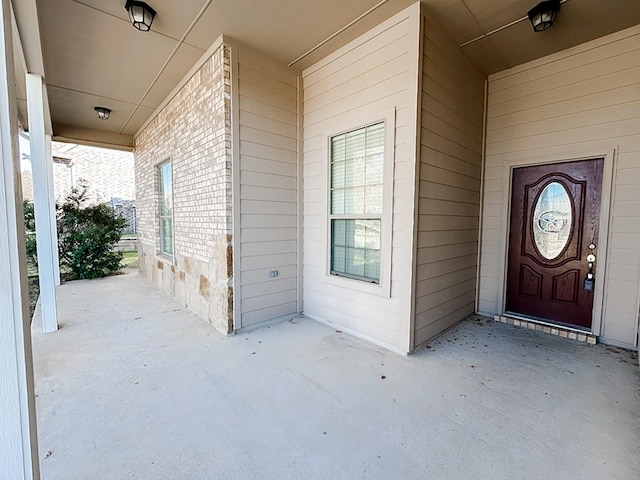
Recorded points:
(589, 282)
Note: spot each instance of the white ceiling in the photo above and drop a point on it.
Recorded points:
(91, 55)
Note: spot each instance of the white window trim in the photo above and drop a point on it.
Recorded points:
(383, 288)
(159, 250)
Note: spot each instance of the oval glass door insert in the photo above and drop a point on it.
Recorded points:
(552, 220)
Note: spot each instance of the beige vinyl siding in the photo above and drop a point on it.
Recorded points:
(585, 99)
(347, 90)
(268, 206)
(449, 187)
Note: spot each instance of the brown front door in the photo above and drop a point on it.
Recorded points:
(555, 211)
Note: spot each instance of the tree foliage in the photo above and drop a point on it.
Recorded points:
(87, 235)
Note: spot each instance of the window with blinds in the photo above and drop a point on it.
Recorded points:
(165, 197)
(356, 202)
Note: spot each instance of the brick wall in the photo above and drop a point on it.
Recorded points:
(109, 173)
(194, 132)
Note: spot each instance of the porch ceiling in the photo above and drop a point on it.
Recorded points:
(91, 55)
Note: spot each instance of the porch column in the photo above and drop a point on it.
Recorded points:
(18, 443)
(52, 211)
(42, 202)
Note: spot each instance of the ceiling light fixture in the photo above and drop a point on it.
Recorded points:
(103, 112)
(140, 14)
(542, 15)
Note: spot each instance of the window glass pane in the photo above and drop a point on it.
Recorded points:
(337, 201)
(355, 248)
(166, 190)
(338, 174)
(372, 264)
(357, 169)
(338, 259)
(166, 232)
(354, 201)
(355, 262)
(373, 200)
(165, 200)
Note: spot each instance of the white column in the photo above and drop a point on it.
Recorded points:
(41, 202)
(52, 211)
(18, 442)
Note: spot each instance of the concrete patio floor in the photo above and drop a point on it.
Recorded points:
(135, 386)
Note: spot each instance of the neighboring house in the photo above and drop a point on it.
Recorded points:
(109, 175)
(355, 191)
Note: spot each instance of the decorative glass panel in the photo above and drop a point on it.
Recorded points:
(552, 220)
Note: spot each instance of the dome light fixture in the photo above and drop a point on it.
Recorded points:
(103, 112)
(140, 14)
(542, 15)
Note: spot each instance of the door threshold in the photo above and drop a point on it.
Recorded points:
(563, 331)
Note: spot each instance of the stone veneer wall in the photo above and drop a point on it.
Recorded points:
(193, 131)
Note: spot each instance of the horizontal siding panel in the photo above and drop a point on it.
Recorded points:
(268, 313)
(327, 107)
(432, 270)
(457, 101)
(432, 300)
(264, 95)
(267, 110)
(248, 61)
(268, 208)
(442, 160)
(430, 327)
(447, 177)
(266, 234)
(272, 262)
(269, 139)
(276, 182)
(442, 144)
(270, 286)
(260, 277)
(607, 117)
(446, 207)
(268, 194)
(446, 237)
(395, 27)
(454, 119)
(268, 221)
(267, 125)
(575, 77)
(277, 154)
(549, 111)
(567, 62)
(442, 222)
(447, 192)
(615, 132)
(257, 248)
(252, 304)
(442, 310)
(261, 165)
(427, 255)
(365, 66)
(429, 287)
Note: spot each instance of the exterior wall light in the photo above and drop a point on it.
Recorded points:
(103, 112)
(542, 15)
(140, 14)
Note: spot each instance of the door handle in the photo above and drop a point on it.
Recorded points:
(589, 282)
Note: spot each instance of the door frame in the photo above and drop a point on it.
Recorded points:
(559, 155)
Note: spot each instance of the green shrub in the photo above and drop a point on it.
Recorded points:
(30, 232)
(87, 235)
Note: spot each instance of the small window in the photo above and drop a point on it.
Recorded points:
(165, 197)
(356, 203)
